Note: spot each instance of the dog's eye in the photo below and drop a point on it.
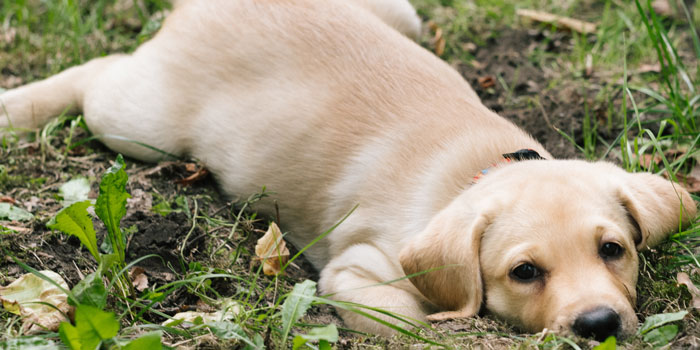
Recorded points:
(610, 250)
(525, 273)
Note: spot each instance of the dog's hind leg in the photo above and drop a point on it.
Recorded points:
(33, 105)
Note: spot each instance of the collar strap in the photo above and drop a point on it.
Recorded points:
(523, 154)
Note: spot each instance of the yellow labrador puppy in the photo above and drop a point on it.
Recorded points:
(329, 107)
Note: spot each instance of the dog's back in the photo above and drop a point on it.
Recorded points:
(332, 85)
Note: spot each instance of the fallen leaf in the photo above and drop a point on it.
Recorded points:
(648, 160)
(691, 181)
(191, 167)
(138, 278)
(165, 276)
(272, 250)
(12, 213)
(560, 21)
(26, 297)
(228, 311)
(438, 41)
(73, 191)
(684, 279)
(487, 82)
(198, 175)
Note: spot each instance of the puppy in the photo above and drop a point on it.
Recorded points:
(330, 107)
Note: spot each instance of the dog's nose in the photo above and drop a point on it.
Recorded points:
(598, 323)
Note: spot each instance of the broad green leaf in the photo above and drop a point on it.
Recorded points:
(661, 336)
(33, 343)
(608, 344)
(69, 336)
(658, 320)
(12, 213)
(41, 303)
(149, 341)
(91, 291)
(296, 304)
(110, 206)
(328, 333)
(298, 342)
(74, 191)
(94, 325)
(76, 221)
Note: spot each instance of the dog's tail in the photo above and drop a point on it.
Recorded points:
(32, 106)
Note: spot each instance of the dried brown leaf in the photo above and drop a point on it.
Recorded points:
(691, 181)
(28, 296)
(440, 46)
(684, 279)
(648, 160)
(487, 82)
(438, 39)
(139, 278)
(272, 250)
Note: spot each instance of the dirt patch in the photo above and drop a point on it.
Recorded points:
(513, 82)
(510, 84)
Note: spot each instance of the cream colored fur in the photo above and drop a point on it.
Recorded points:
(329, 107)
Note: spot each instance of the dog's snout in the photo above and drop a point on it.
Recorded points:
(598, 323)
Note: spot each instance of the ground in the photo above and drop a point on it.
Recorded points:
(534, 75)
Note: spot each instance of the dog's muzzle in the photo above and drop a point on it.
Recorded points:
(598, 323)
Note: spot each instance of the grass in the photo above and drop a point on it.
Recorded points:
(625, 116)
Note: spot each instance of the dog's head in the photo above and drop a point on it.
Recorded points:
(547, 244)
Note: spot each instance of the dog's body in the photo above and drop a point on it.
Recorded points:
(328, 107)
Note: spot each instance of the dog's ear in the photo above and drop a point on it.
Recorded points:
(657, 207)
(444, 262)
